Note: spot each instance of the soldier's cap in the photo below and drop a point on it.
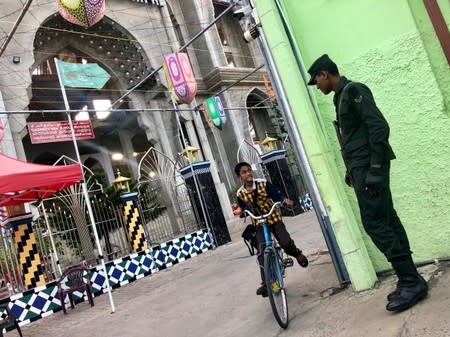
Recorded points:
(322, 63)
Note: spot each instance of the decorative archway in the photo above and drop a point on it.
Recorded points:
(107, 42)
(116, 50)
(166, 202)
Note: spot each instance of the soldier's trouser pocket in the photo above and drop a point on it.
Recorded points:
(379, 218)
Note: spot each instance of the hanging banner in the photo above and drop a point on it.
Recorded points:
(205, 111)
(219, 105)
(180, 77)
(212, 110)
(82, 75)
(83, 13)
(51, 132)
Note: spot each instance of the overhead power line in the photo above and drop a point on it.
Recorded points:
(228, 9)
(58, 111)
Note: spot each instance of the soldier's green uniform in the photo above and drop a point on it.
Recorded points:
(364, 136)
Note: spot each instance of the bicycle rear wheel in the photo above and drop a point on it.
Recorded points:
(275, 288)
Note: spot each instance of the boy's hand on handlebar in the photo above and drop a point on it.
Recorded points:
(236, 209)
(288, 202)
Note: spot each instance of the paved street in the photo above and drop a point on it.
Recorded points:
(214, 295)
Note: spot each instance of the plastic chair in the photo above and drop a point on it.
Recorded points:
(8, 320)
(73, 279)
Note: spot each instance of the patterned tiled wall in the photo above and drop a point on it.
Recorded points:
(39, 302)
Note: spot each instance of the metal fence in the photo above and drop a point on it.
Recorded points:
(64, 232)
(167, 215)
(11, 278)
(166, 202)
(72, 234)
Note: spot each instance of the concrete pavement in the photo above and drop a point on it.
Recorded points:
(213, 294)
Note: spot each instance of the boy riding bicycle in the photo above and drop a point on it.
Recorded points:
(258, 195)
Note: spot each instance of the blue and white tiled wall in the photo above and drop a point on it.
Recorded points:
(39, 302)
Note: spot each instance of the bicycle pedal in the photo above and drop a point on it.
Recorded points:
(288, 262)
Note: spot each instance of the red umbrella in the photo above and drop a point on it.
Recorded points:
(22, 182)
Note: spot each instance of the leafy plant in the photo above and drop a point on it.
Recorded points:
(233, 192)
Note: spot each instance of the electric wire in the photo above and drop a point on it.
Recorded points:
(160, 45)
(233, 84)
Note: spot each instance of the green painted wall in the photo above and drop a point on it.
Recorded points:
(432, 46)
(321, 158)
(380, 43)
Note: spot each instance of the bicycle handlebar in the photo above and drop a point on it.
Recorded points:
(260, 217)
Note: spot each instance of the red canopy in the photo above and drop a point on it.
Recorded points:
(22, 182)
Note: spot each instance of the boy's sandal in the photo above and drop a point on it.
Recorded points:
(302, 259)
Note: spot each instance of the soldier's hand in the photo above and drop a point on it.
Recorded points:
(375, 181)
(348, 179)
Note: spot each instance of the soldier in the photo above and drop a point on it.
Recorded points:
(363, 134)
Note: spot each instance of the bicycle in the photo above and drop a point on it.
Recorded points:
(274, 269)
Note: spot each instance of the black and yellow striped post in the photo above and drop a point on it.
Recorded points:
(133, 222)
(29, 259)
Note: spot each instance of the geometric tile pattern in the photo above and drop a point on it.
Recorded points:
(29, 258)
(273, 155)
(172, 252)
(133, 221)
(306, 202)
(197, 168)
(42, 301)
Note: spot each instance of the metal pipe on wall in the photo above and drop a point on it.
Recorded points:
(299, 148)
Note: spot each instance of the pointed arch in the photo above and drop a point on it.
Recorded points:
(258, 106)
(107, 43)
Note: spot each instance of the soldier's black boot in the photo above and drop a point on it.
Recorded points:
(391, 295)
(411, 287)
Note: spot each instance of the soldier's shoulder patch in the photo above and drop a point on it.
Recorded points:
(358, 99)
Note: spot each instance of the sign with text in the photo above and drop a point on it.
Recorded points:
(51, 132)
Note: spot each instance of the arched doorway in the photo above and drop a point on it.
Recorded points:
(261, 119)
(114, 49)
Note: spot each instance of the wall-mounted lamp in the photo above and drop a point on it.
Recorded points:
(189, 154)
(16, 59)
(122, 184)
(269, 144)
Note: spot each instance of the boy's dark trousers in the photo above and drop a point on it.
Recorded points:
(283, 238)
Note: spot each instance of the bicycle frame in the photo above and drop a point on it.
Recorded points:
(270, 244)
(273, 271)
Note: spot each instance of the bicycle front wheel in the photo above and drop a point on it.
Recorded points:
(275, 288)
